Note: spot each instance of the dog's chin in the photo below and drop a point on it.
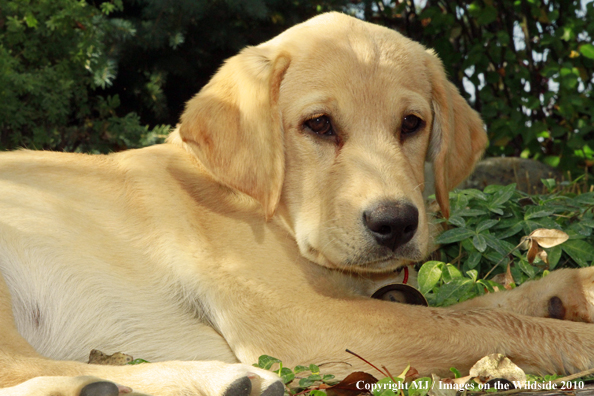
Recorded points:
(371, 263)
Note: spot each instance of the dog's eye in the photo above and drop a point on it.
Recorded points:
(320, 125)
(410, 124)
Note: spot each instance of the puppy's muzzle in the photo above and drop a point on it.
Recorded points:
(391, 223)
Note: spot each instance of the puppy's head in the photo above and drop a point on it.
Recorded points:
(330, 125)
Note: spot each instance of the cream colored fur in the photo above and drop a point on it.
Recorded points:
(243, 234)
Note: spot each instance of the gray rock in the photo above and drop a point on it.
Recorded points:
(506, 170)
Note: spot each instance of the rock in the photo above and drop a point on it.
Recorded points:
(506, 170)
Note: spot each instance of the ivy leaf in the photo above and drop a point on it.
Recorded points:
(286, 375)
(265, 362)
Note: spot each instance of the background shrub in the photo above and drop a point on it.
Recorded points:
(103, 75)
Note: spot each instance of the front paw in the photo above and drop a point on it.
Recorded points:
(570, 295)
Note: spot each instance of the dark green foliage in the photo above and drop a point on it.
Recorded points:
(54, 54)
(85, 76)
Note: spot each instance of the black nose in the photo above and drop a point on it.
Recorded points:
(392, 223)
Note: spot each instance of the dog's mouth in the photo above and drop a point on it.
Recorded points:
(377, 265)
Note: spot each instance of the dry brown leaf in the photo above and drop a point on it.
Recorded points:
(548, 238)
(533, 251)
(348, 386)
(497, 366)
(543, 256)
(506, 279)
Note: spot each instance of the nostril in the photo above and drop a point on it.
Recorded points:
(410, 228)
(384, 230)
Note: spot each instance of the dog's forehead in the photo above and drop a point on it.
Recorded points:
(339, 47)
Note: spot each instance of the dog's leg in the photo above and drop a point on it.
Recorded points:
(563, 294)
(393, 334)
(24, 372)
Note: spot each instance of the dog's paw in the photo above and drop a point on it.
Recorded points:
(576, 299)
(199, 378)
(244, 380)
(566, 294)
(68, 386)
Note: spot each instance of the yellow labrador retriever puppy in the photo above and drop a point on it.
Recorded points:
(292, 190)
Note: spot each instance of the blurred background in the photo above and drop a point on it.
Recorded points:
(102, 76)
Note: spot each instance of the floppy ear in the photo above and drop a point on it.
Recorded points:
(233, 125)
(458, 137)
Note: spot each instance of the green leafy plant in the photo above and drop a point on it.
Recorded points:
(55, 57)
(484, 235)
(310, 378)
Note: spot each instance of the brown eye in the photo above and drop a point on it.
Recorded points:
(410, 124)
(320, 125)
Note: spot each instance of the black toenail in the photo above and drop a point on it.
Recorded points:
(276, 389)
(101, 388)
(240, 387)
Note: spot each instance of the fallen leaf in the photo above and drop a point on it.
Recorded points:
(440, 388)
(506, 279)
(348, 386)
(543, 256)
(548, 238)
(533, 251)
(497, 365)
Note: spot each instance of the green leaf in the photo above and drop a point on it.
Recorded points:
(31, 21)
(385, 386)
(300, 369)
(487, 15)
(534, 212)
(454, 235)
(471, 212)
(450, 273)
(527, 268)
(513, 230)
(138, 361)
(456, 372)
(472, 274)
(265, 362)
(503, 195)
(474, 193)
(473, 260)
(479, 243)
(286, 375)
(488, 284)
(580, 251)
(305, 383)
(429, 275)
(554, 254)
(587, 50)
(458, 221)
(316, 392)
(314, 369)
(419, 387)
(486, 224)
(454, 291)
